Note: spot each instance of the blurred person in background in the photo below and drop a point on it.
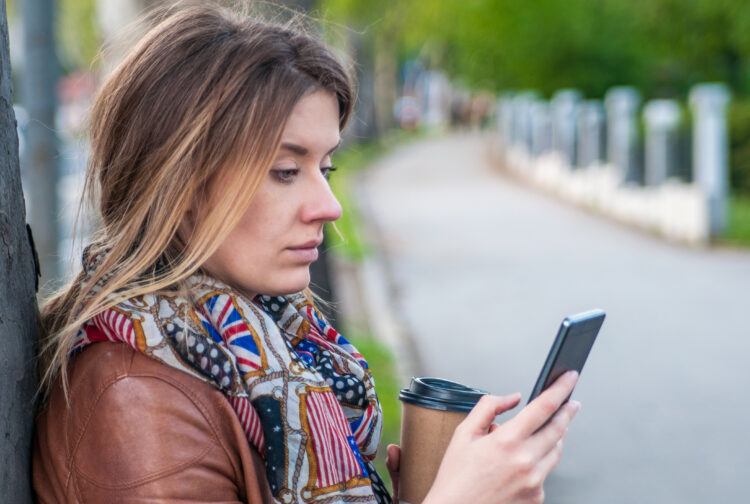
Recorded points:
(187, 359)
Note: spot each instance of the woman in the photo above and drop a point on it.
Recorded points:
(187, 360)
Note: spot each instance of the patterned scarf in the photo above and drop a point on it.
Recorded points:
(303, 394)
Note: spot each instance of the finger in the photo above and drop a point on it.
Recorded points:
(543, 407)
(393, 457)
(548, 436)
(393, 463)
(550, 460)
(481, 417)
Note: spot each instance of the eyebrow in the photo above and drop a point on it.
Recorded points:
(302, 151)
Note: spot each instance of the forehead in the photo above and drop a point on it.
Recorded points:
(314, 122)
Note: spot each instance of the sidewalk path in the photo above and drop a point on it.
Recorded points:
(484, 271)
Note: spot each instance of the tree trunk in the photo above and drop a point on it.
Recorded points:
(18, 312)
(40, 159)
(385, 83)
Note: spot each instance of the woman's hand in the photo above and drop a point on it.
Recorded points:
(393, 462)
(508, 463)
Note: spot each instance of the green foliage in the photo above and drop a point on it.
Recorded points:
(738, 227)
(739, 147)
(78, 33)
(660, 46)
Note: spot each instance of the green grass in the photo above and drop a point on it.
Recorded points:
(738, 226)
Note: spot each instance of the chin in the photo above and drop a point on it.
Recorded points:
(289, 284)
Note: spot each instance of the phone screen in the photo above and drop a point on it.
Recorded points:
(570, 349)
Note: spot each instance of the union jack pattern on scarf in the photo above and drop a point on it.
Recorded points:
(302, 393)
(233, 329)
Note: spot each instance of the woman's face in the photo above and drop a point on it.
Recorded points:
(271, 248)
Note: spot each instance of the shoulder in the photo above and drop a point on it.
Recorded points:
(113, 387)
(137, 425)
(128, 387)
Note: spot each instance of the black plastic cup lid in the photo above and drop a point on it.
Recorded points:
(439, 394)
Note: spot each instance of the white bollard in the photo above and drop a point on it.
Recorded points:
(541, 128)
(563, 109)
(662, 121)
(711, 149)
(622, 104)
(522, 104)
(590, 133)
(505, 119)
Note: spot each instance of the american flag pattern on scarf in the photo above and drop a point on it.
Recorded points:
(303, 394)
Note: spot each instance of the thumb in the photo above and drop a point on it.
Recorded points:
(483, 414)
(393, 458)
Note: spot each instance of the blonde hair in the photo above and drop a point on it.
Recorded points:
(202, 98)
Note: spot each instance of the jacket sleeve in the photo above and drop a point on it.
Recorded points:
(148, 439)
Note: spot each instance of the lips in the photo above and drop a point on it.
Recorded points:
(306, 252)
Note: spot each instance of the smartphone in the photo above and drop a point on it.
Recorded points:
(570, 348)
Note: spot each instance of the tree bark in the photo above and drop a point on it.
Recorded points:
(18, 311)
(39, 96)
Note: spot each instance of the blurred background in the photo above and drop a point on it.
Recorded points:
(510, 162)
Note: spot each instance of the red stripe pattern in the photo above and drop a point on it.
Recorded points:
(336, 461)
(116, 326)
(250, 422)
(363, 430)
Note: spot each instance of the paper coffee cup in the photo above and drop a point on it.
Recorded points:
(432, 409)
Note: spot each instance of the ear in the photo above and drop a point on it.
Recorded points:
(187, 225)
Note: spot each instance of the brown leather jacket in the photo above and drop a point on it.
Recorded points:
(140, 431)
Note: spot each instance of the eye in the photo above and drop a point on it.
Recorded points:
(285, 175)
(327, 170)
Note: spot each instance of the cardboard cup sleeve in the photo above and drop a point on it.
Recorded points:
(432, 409)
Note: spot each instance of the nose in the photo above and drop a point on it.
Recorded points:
(322, 205)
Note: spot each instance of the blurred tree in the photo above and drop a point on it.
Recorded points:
(374, 34)
(78, 33)
(661, 46)
(18, 314)
(739, 139)
(696, 41)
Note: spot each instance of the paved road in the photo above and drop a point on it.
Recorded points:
(485, 269)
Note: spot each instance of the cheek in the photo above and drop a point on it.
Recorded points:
(263, 226)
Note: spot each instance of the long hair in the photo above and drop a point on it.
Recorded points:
(203, 98)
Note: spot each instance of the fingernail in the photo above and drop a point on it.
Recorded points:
(576, 406)
(572, 376)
